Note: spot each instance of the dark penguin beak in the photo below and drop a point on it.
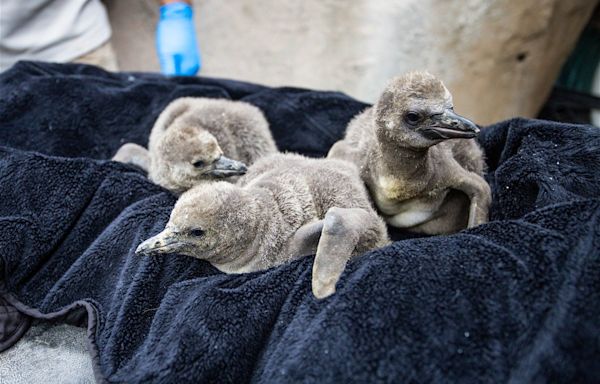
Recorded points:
(449, 125)
(226, 167)
(164, 242)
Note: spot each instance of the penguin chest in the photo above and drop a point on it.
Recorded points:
(406, 208)
(391, 189)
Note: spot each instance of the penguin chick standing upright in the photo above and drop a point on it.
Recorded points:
(285, 207)
(417, 158)
(191, 138)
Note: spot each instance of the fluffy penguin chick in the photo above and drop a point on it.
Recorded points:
(285, 207)
(191, 138)
(418, 159)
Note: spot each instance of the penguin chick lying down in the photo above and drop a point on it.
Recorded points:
(418, 159)
(191, 138)
(285, 207)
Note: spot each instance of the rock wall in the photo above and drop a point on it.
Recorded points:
(498, 57)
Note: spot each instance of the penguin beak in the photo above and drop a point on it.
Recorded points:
(449, 125)
(164, 242)
(226, 167)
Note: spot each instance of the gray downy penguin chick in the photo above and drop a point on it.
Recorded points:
(191, 138)
(418, 159)
(285, 207)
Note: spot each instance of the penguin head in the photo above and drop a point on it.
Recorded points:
(416, 111)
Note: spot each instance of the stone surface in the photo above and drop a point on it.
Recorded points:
(499, 57)
(48, 353)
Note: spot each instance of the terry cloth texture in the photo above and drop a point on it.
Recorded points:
(515, 300)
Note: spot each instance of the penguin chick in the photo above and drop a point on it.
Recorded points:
(191, 138)
(285, 207)
(417, 158)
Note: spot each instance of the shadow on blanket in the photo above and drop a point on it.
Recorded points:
(515, 300)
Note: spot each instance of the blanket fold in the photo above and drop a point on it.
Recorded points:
(517, 299)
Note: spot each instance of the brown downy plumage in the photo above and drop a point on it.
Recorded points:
(418, 159)
(191, 138)
(285, 207)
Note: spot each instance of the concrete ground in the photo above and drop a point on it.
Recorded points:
(48, 353)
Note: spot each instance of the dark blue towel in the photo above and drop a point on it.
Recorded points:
(515, 300)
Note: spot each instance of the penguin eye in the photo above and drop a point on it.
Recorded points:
(412, 117)
(198, 164)
(197, 232)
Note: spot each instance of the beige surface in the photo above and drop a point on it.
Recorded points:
(104, 56)
(498, 57)
(133, 23)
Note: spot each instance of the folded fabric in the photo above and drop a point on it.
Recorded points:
(515, 300)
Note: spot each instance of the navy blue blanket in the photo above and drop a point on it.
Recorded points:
(515, 300)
